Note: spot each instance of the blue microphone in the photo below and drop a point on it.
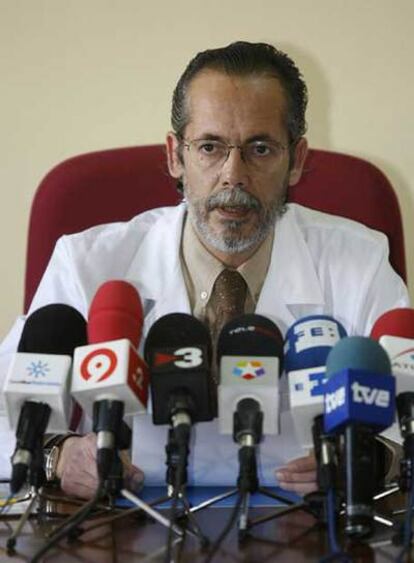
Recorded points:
(307, 345)
(309, 341)
(359, 402)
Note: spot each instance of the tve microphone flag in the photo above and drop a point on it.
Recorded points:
(359, 386)
(307, 345)
(36, 387)
(250, 353)
(110, 367)
(360, 402)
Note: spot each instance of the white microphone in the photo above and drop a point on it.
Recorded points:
(249, 353)
(249, 350)
(307, 345)
(36, 386)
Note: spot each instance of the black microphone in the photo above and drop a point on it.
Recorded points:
(37, 385)
(178, 352)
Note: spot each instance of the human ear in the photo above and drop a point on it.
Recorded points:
(299, 157)
(174, 161)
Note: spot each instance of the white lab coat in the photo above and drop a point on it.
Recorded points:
(320, 264)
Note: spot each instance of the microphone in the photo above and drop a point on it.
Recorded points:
(110, 379)
(36, 386)
(307, 345)
(359, 402)
(249, 352)
(395, 332)
(178, 352)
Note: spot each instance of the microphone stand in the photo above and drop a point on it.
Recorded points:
(248, 432)
(405, 409)
(110, 472)
(37, 479)
(104, 414)
(28, 455)
(177, 462)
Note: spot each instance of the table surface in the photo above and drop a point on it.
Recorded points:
(295, 537)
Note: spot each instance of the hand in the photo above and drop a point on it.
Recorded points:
(299, 475)
(77, 470)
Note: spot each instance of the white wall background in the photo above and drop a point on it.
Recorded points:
(81, 75)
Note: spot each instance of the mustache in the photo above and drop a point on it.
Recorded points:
(236, 197)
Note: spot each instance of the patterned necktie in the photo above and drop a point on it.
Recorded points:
(229, 297)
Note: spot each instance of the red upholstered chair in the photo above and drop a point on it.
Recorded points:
(117, 184)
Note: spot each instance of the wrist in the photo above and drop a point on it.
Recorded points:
(53, 450)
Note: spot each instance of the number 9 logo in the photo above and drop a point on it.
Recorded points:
(98, 365)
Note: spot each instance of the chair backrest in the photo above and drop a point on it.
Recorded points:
(116, 184)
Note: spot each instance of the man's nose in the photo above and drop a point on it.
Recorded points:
(235, 171)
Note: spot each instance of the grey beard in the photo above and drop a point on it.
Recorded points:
(232, 241)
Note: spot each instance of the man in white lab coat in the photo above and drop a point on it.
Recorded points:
(237, 144)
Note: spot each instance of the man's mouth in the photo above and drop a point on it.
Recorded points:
(234, 211)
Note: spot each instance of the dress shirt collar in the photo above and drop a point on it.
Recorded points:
(202, 267)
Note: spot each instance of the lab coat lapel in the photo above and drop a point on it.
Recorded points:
(291, 289)
(157, 269)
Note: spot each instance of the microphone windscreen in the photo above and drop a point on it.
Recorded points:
(115, 313)
(309, 340)
(250, 335)
(53, 329)
(358, 353)
(175, 330)
(397, 322)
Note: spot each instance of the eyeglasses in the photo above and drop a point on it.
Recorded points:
(209, 154)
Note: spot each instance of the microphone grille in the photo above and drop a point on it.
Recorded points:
(397, 322)
(53, 329)
(359, 353)
(250, 335)
(176, 330)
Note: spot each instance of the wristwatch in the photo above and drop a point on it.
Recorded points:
(51, 453)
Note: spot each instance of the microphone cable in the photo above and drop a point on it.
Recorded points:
(226, 530)
(177, 451)
(336, 552)
(173, 511)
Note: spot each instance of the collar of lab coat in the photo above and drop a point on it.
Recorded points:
(291, 288)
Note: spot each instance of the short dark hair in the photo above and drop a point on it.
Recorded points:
(243, 59)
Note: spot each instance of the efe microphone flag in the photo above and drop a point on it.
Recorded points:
(307, 345)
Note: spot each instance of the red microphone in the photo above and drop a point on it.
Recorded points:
(109, 366)
(110, 379)
(395, 332)
(115, 313)
(397, 322)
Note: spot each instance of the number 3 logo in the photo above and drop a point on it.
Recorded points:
(191, 357)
